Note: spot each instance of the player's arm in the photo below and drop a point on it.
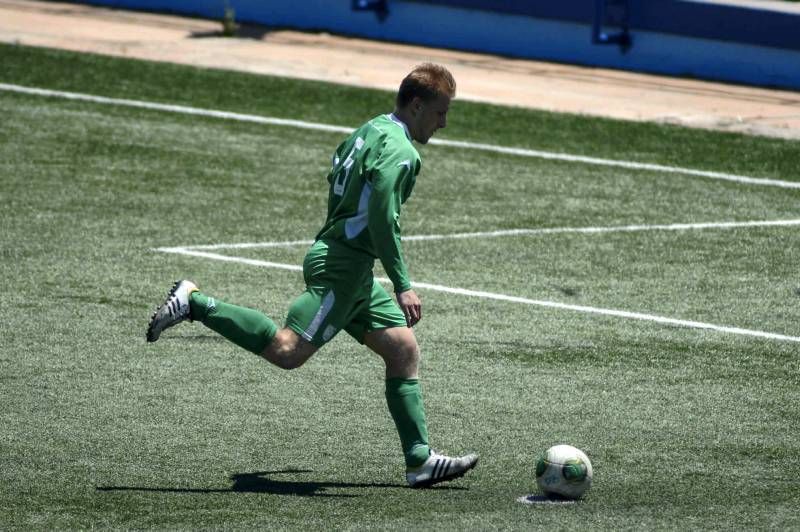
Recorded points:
(383, 221)
(388, 179)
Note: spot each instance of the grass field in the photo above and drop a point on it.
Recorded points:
(687, 427)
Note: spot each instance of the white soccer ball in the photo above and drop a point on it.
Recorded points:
(564, 471)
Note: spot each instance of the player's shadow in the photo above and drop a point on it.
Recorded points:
(199, 338)
(264, 482)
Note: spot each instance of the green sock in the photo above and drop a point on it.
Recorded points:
(404, 398)
(245, 327)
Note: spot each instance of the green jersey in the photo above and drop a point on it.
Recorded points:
(372, 175)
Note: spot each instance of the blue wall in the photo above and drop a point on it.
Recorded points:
(675, 37)
(679, 17)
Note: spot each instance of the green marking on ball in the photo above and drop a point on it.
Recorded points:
(574, 470)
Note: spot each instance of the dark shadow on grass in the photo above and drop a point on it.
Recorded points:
(262, 482)
(566, 290)
(210, 338)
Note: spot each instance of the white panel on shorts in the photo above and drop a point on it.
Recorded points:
(322, 313)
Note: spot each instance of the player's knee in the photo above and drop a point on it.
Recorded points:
(409, 353)
(286, 351)
(284, 358)
(290, 359)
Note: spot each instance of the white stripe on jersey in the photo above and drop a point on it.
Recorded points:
(353, 226)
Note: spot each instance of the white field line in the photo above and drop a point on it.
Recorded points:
(511, 299)
(521, 152)
(458, 144)
(519, 232)
(181, 109)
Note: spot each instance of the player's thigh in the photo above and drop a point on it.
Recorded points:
(379, 311)
(322, 310)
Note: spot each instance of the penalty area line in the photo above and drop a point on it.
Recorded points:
(690, 324)
(524, 232)
(227, 258)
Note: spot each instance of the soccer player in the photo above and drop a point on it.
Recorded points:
(372, 175)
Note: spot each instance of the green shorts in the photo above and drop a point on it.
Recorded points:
(341, 294)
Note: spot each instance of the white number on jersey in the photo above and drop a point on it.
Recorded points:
(344, 171)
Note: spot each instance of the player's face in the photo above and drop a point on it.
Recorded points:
(430, 117)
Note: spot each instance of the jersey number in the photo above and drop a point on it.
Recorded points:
(344, 170)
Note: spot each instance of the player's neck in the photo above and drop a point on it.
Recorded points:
(403, 116)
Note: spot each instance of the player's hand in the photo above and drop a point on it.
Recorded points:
(411, 306)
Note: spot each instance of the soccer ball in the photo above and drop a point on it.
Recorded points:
(564, 471)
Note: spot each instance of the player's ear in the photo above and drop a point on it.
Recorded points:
(416, 105)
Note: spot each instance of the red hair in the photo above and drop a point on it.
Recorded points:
(427, 81)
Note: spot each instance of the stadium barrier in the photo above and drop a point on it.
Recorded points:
(754, 42)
